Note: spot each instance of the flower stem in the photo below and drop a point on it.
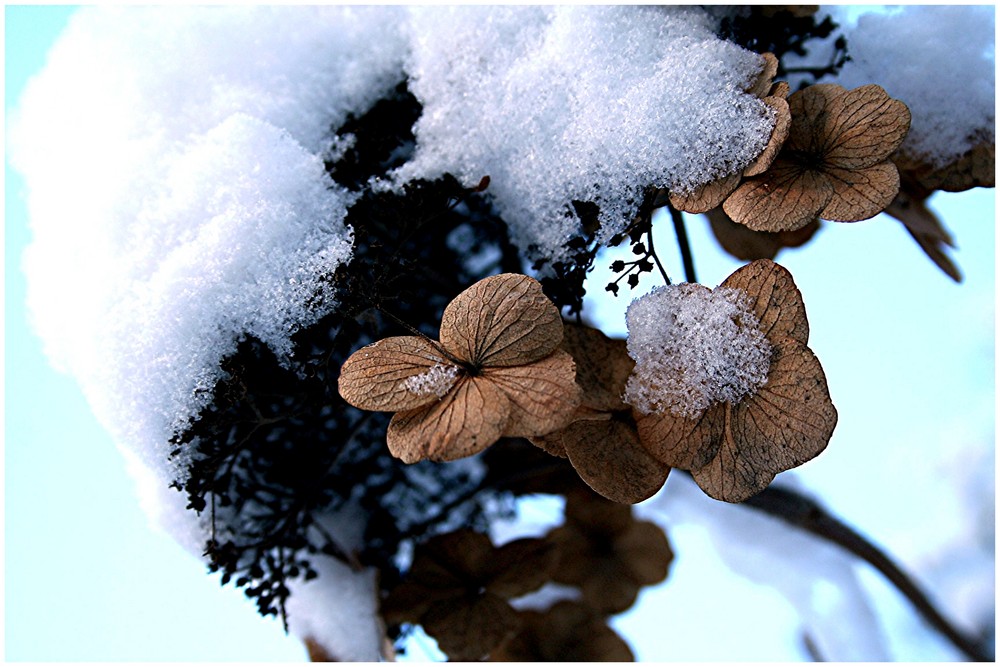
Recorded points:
(685, 246)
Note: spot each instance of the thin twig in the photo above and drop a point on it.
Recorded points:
(685, 246)
(808, 515)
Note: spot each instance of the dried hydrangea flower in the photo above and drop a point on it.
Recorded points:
(602, 441)
(607, 554)
(734, 435)
(496, 372)
(712, 194)
(458, 587)
(834, 165)
(565, 632)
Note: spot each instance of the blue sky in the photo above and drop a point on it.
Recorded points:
(909, 356)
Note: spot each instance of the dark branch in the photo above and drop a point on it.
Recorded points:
(684, 244)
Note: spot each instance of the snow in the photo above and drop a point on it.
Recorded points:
(436, 381)
(939, 60)
(693, 347)
(339, 608)
(564, 103)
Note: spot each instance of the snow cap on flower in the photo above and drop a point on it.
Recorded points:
(693, 347)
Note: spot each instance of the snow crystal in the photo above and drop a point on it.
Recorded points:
(939, 60)
(693, 347)
(575, 103)
(436, 380)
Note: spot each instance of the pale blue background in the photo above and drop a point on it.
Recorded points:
(905, 350)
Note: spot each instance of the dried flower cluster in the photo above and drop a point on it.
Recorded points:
(621, 427)
(460, 585)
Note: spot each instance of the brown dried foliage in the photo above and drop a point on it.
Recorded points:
(734, 450)
(458, 588)
(499, 373)
(566, 632)
(744, 243)
(713, 194)
(834, 165)
(607, 554)
(602, 442)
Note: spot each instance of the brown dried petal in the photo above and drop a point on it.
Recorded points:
(595, 516)
(679, 442)
(867, 127)
(784, 198)
(782, 126)
(410, 600)
(706, 197)
(566, 632)
(373, 378)
(317, 652)
(788, 422)
(812, 117)
(522, 566)
(610, 459)
(502, 320)
(762, 84)
(647, 553)
(470, 418)
(933, 248)
(591, 563)
(744, 243)
(977, 168)
(774, 299)
(602, 366)
(583, 635)
(780, 89)
(542, 395)
(468, 629)
(860, 194)
(912, 211)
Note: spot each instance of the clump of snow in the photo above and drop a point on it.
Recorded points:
(568, 103)
(178, 196)
(339, 608)
(436, 380)
(939, 60)
(693, 347)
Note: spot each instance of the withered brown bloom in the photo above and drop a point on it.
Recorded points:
(601, 441)
(607, 554)
(497, 371)
(712, 194)
(734, 449)
(458, 587)
(834, 165)
(566, 632)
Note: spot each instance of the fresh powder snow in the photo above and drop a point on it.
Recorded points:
(693, 347)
